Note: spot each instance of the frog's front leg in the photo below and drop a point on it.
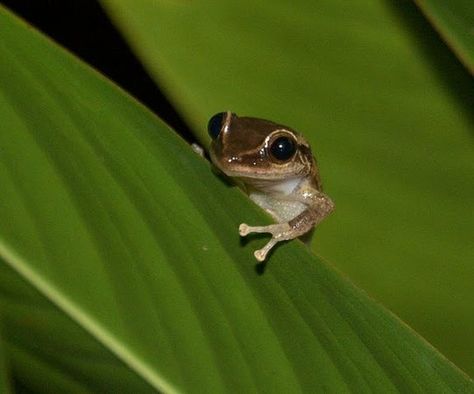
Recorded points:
(319, 207)
(280, 232)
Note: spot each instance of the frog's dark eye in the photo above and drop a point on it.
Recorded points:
(283, 148)
(214, 125)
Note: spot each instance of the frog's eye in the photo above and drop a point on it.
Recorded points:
(214, 126)
(283, 148)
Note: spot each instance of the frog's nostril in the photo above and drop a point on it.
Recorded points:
(214, 125)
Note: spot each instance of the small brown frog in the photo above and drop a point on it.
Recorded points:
(278, 171)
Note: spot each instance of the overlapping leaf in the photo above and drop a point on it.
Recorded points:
(45, 351)
(455, 22)
(389, 112)
(118, 222)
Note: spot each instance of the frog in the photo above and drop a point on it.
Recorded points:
(275, 166)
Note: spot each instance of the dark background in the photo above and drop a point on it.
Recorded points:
(82, 26)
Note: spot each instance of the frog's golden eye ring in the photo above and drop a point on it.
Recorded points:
(283, 148)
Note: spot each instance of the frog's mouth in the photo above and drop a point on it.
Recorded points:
(253, 173)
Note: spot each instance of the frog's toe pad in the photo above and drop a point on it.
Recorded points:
(260, 255)
(244, 230)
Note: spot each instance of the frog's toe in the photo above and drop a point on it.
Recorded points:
(244, 229)
(260, 255)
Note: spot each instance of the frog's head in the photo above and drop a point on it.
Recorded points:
(251, 148)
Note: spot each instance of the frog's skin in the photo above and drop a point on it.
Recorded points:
(280, 176)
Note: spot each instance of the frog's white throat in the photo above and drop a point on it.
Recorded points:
(273, 186)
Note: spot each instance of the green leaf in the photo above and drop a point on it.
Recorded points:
(4, 365)
(454, 20)
(45, 348)
(119, 223)
(388, 110)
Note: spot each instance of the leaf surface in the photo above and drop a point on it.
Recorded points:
(389, 112)
(118, 222)
(4, 366)
(45, 349)
(454, 20)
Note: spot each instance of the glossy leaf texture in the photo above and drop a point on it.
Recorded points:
(120, 224)
(46, 351)
(389, 112)
(454, 20)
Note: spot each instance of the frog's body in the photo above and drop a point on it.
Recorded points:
(280, 210)
(277, 168)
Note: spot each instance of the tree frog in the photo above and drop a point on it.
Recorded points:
(278, 171)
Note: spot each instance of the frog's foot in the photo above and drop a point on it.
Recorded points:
(280, 232)
(198, 149)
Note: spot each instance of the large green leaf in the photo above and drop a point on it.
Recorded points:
(388, 110)
(119, 223)
(4, 365)
(45, 349)
(454, 20)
